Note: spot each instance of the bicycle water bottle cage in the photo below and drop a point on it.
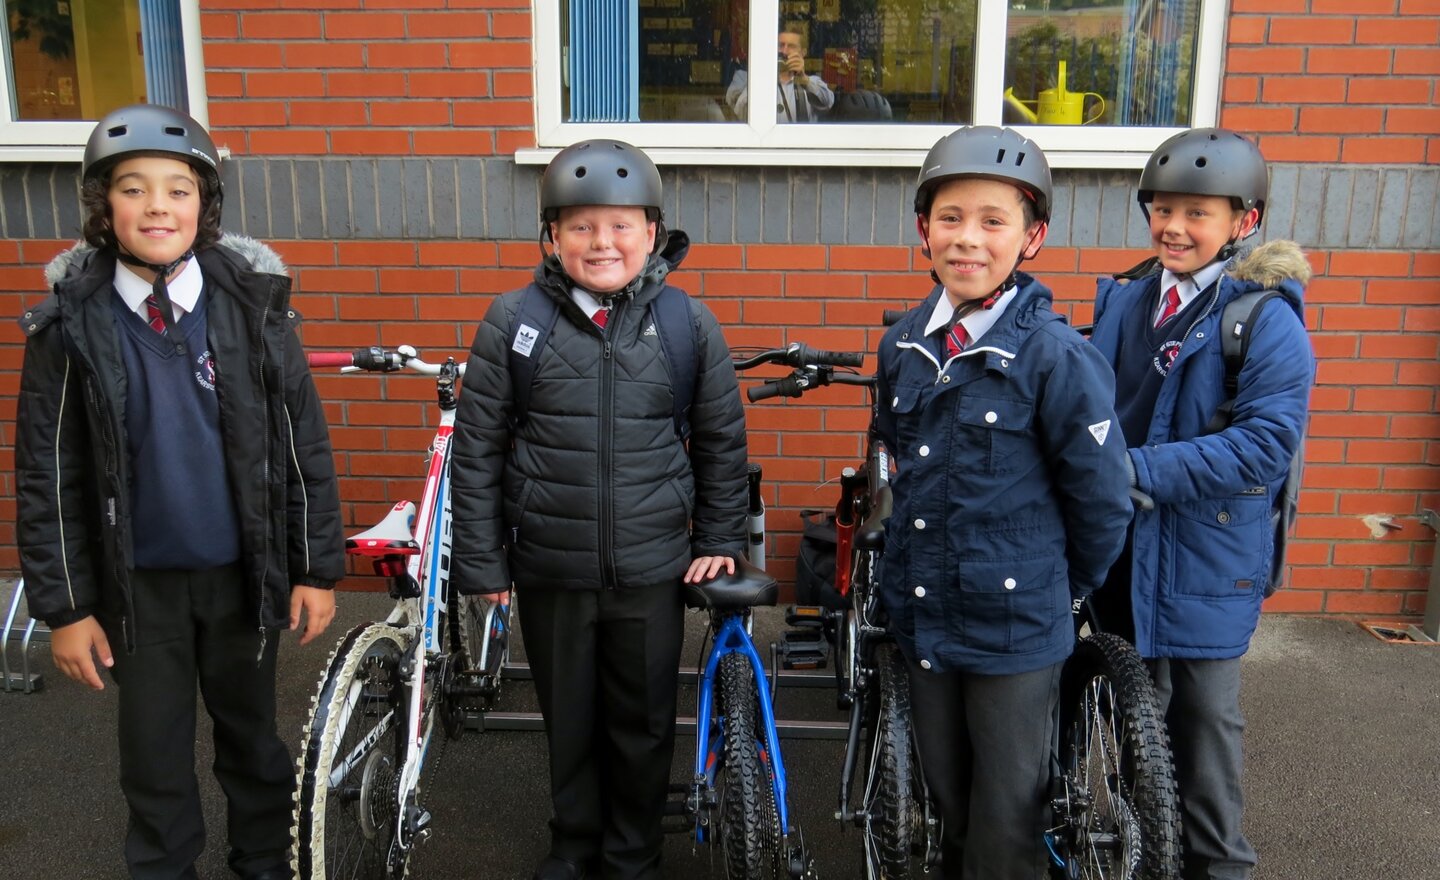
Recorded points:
(748, 587)
(392, 536)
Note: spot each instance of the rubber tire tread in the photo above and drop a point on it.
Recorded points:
(1155, 803)
(897, 782)
(748, 820)
(318, 742)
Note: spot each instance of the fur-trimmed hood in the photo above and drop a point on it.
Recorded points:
(260, 257)
(1273, 262)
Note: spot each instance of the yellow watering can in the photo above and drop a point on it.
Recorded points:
(1057, 106)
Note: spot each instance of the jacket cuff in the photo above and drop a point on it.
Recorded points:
(312, 581)
(67, 617)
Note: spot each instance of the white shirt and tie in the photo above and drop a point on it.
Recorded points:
(184, 290)
(1185, 288)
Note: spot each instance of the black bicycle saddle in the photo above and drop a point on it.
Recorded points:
(748, 587)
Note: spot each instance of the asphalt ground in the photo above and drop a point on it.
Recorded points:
(1342, 750)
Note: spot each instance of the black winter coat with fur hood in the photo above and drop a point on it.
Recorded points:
(72, 473)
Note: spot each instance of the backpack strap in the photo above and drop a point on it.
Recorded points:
(528, 332)
(1236, 321)
(671, 311)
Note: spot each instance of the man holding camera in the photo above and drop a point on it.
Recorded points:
(799, 97)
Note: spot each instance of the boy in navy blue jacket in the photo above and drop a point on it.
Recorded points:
(1010, 498)
(1189, 585)
(176, 488)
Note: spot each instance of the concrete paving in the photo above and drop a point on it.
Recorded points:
(1342, 748)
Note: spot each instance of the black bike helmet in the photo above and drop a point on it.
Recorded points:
(599, 172)
(151, 128)
(1207, 162)
(989, 152)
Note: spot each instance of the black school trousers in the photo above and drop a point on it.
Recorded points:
(985, 743)
(194, 627)
(606, 666)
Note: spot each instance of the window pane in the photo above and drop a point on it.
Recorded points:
(650, 60)
(80, 59)
(872, 61)
(1100, 62)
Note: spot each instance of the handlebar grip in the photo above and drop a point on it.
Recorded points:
(820, 358)
(786, 387)
(330, 358)
(892, 315)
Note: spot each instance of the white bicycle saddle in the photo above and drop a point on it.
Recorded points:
(392, 536)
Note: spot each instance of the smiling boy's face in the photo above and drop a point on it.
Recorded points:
(976, 231)
(1187, 231)
(603, 247)
(154, 208)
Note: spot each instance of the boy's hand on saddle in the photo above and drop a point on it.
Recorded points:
(705, 568)
(319, 608)
(74, 648)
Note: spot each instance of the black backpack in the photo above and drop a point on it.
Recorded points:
(1235, 324)
(670, 311)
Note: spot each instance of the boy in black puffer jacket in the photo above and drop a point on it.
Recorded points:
(591, 502)
(176, 489)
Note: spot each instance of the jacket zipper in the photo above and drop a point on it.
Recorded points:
(607, 409)
(112, 516)
(265, 474)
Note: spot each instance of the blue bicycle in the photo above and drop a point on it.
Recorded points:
(738, 796)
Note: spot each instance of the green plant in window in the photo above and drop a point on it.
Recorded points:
(47, 20)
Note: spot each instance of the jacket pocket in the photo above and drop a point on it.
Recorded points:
(515, 505)
(996, 431)
(1222, 547)
(1009, 606)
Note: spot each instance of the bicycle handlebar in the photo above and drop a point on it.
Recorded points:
(376, 359)
(800, 355)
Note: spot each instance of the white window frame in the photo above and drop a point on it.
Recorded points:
(764, 142)
(52, 141)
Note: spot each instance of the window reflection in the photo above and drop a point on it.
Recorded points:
(80, 59)
(1100, 62)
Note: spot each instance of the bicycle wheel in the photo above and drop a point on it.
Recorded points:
(1119, 787)
(749, 824)
(353, 747)
(895, 810)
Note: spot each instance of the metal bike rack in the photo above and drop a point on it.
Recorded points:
(1429, 631)
(23, 681)
(532, 721)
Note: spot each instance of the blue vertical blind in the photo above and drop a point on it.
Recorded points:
(164, 45)
(604, 60)
(1153, 60)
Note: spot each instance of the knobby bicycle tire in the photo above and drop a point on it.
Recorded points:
(345, 830)
(1116, 754)
(749, 822)
(894, 794)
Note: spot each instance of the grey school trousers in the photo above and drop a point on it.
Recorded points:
(1201, 703)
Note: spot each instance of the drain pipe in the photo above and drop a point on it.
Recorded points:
(1429, 631)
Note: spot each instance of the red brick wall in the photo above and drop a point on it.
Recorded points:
(1335, 80)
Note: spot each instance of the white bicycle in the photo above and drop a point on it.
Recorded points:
(434, 658)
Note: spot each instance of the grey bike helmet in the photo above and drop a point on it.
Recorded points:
(150, 128)
(1207, 162)
(599, 172)
(990, 152)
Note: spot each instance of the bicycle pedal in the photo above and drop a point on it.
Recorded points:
(805, 615)
(803, 649)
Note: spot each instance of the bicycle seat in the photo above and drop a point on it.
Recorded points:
(871, 534)
(392, 536)
(748, 587)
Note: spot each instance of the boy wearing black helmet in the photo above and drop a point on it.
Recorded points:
(1009, 498)
(590, 500)
(1189, 585)
(176, 490)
